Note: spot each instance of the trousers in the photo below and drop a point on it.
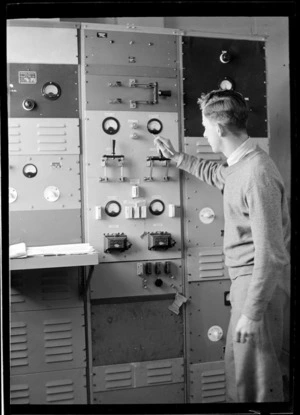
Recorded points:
(253, 369)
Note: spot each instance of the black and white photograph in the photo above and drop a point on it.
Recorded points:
(148, 258)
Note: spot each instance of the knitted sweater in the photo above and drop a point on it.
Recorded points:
(257, 223)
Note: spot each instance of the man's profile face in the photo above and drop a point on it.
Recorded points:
(211, 134)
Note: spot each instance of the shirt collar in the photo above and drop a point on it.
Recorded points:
(240, 152)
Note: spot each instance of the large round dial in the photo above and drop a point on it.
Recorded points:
(13, 195)
(51, 90)
(113, 208)
(154, 126)
(157, 207)
(110, 125)
(51, 193)
(30, 170)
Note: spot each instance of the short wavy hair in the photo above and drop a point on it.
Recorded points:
(227, 107)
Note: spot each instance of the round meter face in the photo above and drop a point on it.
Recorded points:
(113, 208)
(157, 207)
(51, 90)
(30, 171)
(110, 125)
(226, 84)
(154, 126)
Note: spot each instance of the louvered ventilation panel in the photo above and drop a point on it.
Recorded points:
(60, 391)
(19, 394)
(159, 373)
(15, 143)
(119, 377)
(138, 374)
(211, 263)
(58, 340)
(18, 345)
(43, 136)
(208, 382)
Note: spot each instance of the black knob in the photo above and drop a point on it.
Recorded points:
(28, 104)
(164, 93)
(159, 282)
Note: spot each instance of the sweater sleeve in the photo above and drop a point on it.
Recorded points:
(271, 257)
(211, 172)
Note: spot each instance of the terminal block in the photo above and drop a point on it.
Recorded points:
(160, 241)
(116, 242)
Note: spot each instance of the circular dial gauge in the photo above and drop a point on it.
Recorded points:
(215, 333)
(157, 207)
(51, 193)
(13, 195)
(51, 90)
(110, 125)
(30, 170)
(113, 208)
(154, 126)
(226, 84)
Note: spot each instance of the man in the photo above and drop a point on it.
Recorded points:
(256, 245)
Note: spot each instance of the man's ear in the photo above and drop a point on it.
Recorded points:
(221, 131)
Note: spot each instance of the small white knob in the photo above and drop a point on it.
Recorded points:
(207, 215)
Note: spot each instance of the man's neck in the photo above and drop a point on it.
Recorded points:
(231, 143)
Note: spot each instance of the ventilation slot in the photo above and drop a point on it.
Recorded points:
(213, 386)
(119, 377)
(19, 345)
(58, 341)
(60, 391)
(19, 394)
(211, 263)
(53, 142)
(159, 373)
